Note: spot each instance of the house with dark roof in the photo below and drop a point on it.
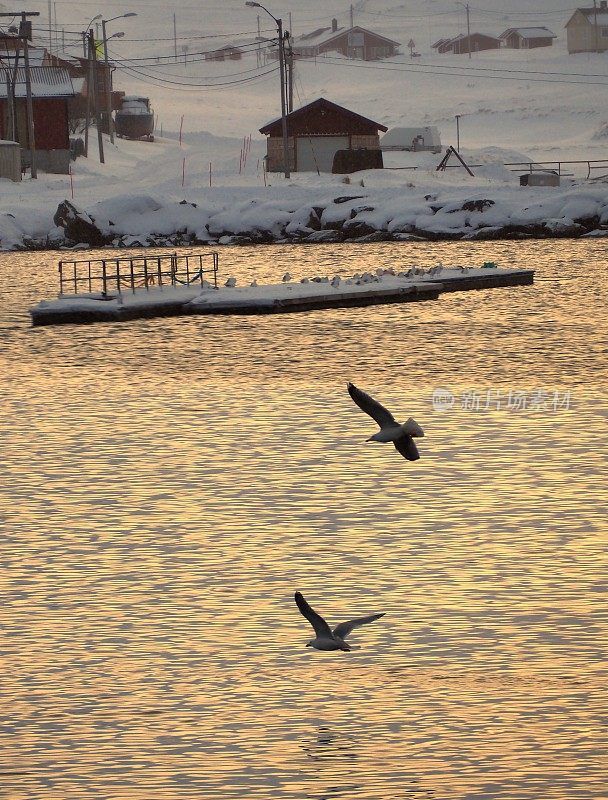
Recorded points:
(355, 42)
(315, 132)
(527, 38)
(443, 45)
(229, 52)
(587, 29)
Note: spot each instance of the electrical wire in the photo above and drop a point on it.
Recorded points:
(160, 81)
(421, 67)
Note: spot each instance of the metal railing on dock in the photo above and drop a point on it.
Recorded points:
(126, 273)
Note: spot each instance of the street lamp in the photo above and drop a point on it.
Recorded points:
(466, 8)
(108, 76)
(84, 35)
(279, 24)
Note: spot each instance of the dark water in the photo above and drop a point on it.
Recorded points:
(169, 483)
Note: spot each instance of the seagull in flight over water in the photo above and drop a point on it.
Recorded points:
(390, 429)
(326, 639)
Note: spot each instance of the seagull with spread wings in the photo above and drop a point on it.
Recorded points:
(390, 430)
(325, 638)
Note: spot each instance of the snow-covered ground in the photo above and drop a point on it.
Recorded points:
(512, 105)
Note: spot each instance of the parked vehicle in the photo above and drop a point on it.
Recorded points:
(135, 120)
(418, 138)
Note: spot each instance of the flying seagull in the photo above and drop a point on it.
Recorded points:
(390, 429)
(326, 639)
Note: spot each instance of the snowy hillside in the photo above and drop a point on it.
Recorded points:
(541, 101)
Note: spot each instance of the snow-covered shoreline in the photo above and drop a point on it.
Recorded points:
(301, 214)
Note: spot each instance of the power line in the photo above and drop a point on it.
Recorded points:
(160, 81)
(403, 67)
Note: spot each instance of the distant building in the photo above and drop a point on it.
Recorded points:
(587, 29)
(355, 42)
(228, 53)
(467, 44)
(52, 89)
(526, 38)
(315, 133)
(443, 45)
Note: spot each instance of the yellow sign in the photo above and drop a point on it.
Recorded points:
(99, 49)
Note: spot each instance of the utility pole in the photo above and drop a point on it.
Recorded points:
(283, 102)
(259, 47)
(108, 82)
(25, 32)
(10, 102)
(175, 36)
(11, 99)
(279, 24)
(95, 88)
(352, 16)
(289, 65)
(458, 131)
(28, 91)
(597, 46)
(50, 28)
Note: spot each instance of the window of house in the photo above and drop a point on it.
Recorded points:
(604, 32)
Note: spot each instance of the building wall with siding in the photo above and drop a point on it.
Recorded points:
(274, 157)
(583, 37)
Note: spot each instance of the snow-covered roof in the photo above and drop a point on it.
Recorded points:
(324, 35)
(594, 15)
(36, 55)
(46, 82)
(529, 33)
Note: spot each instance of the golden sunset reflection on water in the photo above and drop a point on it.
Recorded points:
(169, 483)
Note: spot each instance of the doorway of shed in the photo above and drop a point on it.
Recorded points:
(317, 152)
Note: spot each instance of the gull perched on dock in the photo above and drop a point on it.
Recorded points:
(390, 430)
(326, 639)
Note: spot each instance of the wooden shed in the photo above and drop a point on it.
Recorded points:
(474, 43)
(527, 38)
(355, 42)
(52, 90)
(227, 53)
(315, 133)
(587, 29)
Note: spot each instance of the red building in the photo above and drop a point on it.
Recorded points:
(527, 38)
(315, 133)
(467, 44)
(52, 90)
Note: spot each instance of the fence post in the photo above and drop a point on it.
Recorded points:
(118, 275)
(104, 278)
(61, 277)
(133, 277)
(146, 274)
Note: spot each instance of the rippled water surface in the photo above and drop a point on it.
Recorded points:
(168, 484)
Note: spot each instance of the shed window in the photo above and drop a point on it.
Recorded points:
(604, 32)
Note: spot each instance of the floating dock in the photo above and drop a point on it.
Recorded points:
(171, 285)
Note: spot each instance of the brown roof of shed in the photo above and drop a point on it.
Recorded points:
(303, 120)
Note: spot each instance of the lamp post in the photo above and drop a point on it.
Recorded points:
(466, 8)
(85, 33)
(279, 24)
(108, 77)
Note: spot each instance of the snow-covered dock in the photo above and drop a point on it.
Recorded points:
(415, 285)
